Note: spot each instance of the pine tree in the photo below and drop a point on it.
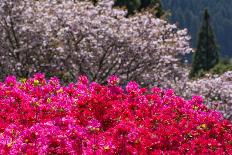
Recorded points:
(207, 52)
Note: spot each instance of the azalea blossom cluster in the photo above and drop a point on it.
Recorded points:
(216, 90)
(40, 116)
(73, 37)
(69, 38)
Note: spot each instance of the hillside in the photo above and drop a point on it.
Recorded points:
(188, 14)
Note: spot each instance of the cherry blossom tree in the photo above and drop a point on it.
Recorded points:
(70, 38)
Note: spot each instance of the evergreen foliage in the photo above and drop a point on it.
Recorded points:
(207, 52)
(139, 5)
(222, 67)
(187, 13)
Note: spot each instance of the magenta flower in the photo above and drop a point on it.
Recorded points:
(113, 80)
(40, 117)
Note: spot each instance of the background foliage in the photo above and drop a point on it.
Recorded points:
(207, 52)
(188, 14)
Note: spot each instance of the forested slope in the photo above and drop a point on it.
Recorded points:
(188, 13)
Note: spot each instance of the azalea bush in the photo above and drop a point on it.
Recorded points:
(39, 116)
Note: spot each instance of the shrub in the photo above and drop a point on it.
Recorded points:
(222, 67)
(43, 117)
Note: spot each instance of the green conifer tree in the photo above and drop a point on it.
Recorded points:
(207, 52)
